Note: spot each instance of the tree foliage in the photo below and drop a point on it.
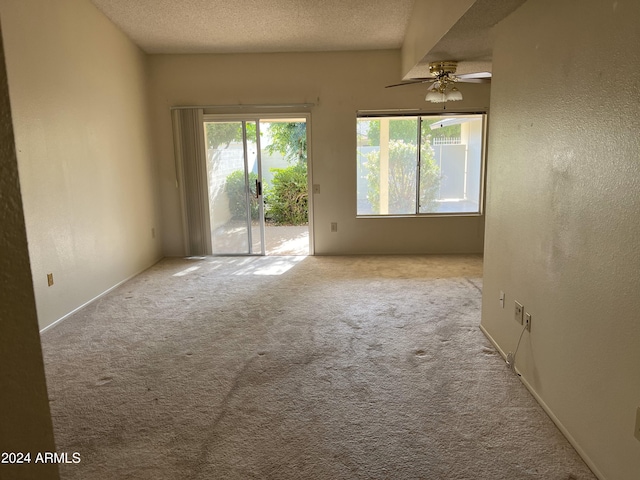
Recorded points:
(221, 134)
(402, 178)
(289, 139)
(406, 129)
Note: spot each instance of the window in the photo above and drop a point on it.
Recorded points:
(420, 165)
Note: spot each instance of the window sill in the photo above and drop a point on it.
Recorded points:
(423, 215)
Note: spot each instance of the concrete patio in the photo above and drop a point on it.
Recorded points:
(231, 239)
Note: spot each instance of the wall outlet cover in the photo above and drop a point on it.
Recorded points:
(518, 312)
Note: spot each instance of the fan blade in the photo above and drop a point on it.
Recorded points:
(474, 80)
(412, 82)
(475, 75)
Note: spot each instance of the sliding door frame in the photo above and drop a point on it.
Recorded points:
(210, 116)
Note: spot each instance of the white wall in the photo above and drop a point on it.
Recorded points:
(78, 93)
(562, 223)
(338, 84)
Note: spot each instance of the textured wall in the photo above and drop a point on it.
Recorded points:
(562, 224)
(78, 93)
(25, 422)
(338, 84)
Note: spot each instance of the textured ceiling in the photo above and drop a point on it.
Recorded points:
(240, 26)
(255, 26)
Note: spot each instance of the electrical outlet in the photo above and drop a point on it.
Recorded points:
(518, 312)
(527, 321)
(334, 226)
(50, 279)
(316, 188)
(501, 299)
(637, 433)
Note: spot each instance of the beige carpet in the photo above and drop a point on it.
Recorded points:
(295, 368)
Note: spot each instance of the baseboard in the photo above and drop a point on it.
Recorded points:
(549, 412)
(77, 309)
(493, 342)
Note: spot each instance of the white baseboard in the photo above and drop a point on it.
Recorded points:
(548, 411)
(56, 322)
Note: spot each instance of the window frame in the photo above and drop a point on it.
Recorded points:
(419, 115)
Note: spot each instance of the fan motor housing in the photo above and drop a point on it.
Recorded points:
(441, 68)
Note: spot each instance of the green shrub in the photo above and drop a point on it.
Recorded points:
(286, 198)
(402, 178)
(237, 195)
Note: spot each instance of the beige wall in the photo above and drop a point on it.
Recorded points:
(562, 224)
(430, 21)
(25, 422)
(78, 92)
(338, 84)
(563, 193)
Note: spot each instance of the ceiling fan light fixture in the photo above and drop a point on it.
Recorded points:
(435, 96)
(443, 79)
(453, 95)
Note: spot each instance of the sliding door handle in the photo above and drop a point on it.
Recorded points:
(258, 189)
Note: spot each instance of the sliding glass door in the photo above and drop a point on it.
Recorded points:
(236, 209)
(257, 185)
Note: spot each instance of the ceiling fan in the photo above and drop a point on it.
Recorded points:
(443, 79)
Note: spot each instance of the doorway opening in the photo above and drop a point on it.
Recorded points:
(257, 177)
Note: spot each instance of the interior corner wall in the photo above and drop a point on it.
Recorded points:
(81, 119)
(562, 223)
(338, 84)
(25, 419)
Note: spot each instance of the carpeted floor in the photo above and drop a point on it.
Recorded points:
(329, 368)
